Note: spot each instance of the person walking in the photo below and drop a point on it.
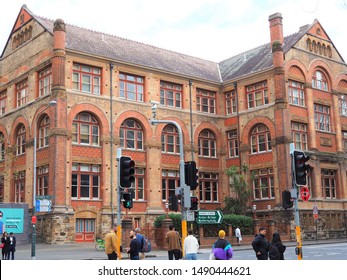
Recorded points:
(141, 239)
(222, 249)
(261, 245)
(12, 246)
(111, 243)
(173, 242)
(5, 250)
(191, 246)
(238, 235)
(135, 246)
(277, 248)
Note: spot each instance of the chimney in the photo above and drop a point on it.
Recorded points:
(58, 59)
(276, 35)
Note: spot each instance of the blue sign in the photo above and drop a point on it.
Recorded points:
(12, 220)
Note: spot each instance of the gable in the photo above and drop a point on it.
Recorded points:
(23, 18)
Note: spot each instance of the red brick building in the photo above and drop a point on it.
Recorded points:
(246, 110)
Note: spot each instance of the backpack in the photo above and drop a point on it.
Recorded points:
(146, 245)
(274, 253)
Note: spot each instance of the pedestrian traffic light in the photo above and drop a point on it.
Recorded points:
(127, 200)
(194, 203)
(300, 167)
(191, 174)
(173, 203)
(126, 171)
(287, 201)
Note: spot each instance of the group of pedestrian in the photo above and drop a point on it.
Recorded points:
(8, 244)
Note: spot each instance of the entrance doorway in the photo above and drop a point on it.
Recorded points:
(85, 230)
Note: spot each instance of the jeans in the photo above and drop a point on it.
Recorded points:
(191, 256)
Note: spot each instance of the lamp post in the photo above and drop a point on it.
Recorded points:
(167, 209)
(269, 209)
(254, 208)
(33, 219)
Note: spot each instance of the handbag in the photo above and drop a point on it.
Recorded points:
(2, 245)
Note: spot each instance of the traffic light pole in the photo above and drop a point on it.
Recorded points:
(119, 209)
(184, 190)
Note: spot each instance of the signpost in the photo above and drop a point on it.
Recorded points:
(304, 193)
(209, 217)
(43, 203)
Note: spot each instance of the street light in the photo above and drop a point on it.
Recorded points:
(254, 207)
(33, 219)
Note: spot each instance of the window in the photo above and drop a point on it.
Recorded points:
(20, 140)
(206, 101)
(296, 93)
(19, 187)
(42, 180)
(45, 81)
(170, 140)
(257, 95)
(85, 181)
(3, 98)
(260, 139)
(299, 136)
(263, 183)
(85, 130)
(2, 146)
(233, 143)
(328, 183)
(131, 87)
(139, 184)
(322, 117)
(342, 105)
(344, 140)
(208, 187)
(86, 78)
(170, 94)
(170, 181)
(43, 132)
(207, 144)
(319, 81)
(2, 187)
(22, 93)
(131, 135)
(231, 102)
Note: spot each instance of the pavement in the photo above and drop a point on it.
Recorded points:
(87, 251)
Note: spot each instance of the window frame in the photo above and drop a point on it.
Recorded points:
(208, 187)
(43, 132)
(3, 99)
(173, 89)
(125, 131)
(329, 176)
(322, 111)
(133, 82)
(170, 181)
(296, 93)
(21, 140)
(255, 139)
(257, 92)
(84, 130)
(2, 146)
(231, 102)
(343, 105)
(45, 81)
(320, 81)
(94, 76)
(170, 138)
(42, 180)
(206, 101)
(259, 177)
(233, 143)
(21, 93)
(299, 135)
(19, 187)
(207, 143)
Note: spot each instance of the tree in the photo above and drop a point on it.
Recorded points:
(238, 183)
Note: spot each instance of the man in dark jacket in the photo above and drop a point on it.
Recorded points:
(261, 245)
(135, 246)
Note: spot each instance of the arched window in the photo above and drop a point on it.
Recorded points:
(131, 135)
(2, 146)
(319, 81)
(85, 130)
(260, 139)
(207, 144)
(43, 132)
(20, 140)
(170, 140)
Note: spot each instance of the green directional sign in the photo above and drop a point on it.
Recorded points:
(209, 217)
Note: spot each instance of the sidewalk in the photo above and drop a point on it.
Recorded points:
(87, 251)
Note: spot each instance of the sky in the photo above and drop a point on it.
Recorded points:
(214, 30)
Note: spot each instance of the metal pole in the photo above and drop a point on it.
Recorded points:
(191, 119)
(33, 218)
(119, 209)
(111, 143)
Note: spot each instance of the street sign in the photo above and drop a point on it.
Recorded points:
(315, 209)
(209, 217)
(43, 203)
(190, 216)
(304, 193)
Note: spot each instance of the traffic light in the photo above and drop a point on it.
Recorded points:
(191, 174)
(300, 167)
(194, 203)
(173, 203)
(126, 171)
(287, 200)
(127, 200)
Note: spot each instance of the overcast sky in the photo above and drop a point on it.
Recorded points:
(210, 29)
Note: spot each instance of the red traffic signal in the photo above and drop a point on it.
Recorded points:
(194, 203)
(126, 172)
(300, 167)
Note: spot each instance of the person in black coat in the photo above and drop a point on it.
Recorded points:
(5, 251)
(135, 246)
(261, 245)
(277, 243)
(12, 246)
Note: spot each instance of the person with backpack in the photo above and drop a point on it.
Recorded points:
(277, 248)
(261, 245)
(141, 239)
(222, 249)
